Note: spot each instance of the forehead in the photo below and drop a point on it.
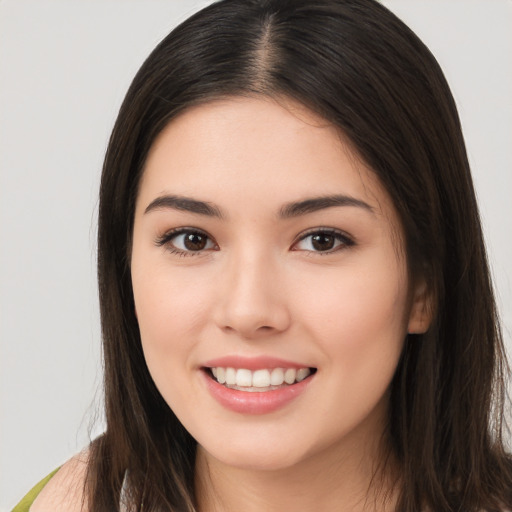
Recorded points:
(263, 150)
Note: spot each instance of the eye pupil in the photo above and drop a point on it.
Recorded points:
(195, 241)
(323, 241)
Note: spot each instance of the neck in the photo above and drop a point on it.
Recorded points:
(355, 480)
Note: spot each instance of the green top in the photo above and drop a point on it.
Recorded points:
(25, 504)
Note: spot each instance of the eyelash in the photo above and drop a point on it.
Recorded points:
(344, 239)
(166, 239)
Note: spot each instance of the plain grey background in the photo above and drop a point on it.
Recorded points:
(64, 68)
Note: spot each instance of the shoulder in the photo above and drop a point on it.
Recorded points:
(65, 490)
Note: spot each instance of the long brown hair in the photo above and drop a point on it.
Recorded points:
(354, 63)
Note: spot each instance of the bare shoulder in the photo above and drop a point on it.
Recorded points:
(65, 491)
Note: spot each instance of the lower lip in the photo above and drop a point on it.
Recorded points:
(256, 402)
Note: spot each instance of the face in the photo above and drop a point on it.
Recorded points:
(270, 283)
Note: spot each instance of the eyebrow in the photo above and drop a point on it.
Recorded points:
(186, 204)
(314, 204)
(287, 211)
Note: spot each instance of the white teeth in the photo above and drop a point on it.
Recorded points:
(230, 376)
(244, 378)
(302, 374)
(289, 375)
(277, 377)
(221, 375)
(261, 379)
(272, 378)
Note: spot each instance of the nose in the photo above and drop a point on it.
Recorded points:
(252, 301)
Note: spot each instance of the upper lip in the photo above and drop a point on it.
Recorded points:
(252, 363)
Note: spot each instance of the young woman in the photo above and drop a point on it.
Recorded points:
(296, 305)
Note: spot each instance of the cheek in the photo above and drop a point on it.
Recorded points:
(362, 321)
(165, 301)
(360, 328)
(354, 295)
(172, 311)
(167, 318)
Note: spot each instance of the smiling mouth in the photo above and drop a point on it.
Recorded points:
(262, 380)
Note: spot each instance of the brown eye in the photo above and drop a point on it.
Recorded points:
(186, 241)
(323, 241)
(195, 241)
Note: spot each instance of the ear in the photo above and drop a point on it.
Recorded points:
(422, 308)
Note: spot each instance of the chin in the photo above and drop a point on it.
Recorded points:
(257, 456)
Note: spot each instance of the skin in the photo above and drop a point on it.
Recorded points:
(64, 492)
(259, 287)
